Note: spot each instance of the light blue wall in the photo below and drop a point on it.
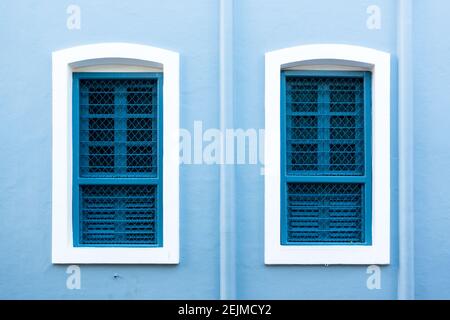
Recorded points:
(31, 30)
(432, 148)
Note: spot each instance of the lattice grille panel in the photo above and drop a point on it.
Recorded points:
(324, 126)
(118, 127)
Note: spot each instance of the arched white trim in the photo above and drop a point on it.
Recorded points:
(98, 55)
(333, 55)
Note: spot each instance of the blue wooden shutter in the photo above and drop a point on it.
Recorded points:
(326, 157)
(117, 163)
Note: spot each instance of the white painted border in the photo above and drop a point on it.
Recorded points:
(63, 62)
(333, 54)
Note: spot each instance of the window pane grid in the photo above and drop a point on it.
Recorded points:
(117, 187)
(324, 140)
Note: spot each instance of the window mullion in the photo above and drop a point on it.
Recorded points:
(120, 129)
(324, 126)
(327, 124)
(124, 181)
(120, 119)
(328, 179)
(360, 133)
(82, 131)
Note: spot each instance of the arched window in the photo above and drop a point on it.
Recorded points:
(327, 155)
(115, 193)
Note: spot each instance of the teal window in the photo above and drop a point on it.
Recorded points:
(117, 159)
(325, 158)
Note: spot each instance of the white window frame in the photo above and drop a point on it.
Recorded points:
(329, 57)
(104, 57)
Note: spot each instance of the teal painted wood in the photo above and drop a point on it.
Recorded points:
(283, 194)
(368, 155)
(117, 176)
(326, 158)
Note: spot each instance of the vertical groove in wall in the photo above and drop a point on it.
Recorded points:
(227, 210)
(406, 147)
